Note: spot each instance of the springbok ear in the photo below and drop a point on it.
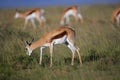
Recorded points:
(26, 43)
(17, 10)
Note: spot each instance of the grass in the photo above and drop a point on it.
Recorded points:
(97, 38)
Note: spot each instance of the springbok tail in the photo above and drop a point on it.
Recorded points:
(42, 11)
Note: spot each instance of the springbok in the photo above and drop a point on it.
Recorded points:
(62, 35)
(116, 16)
(67, 12)
(31, 14)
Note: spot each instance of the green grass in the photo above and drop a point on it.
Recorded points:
(97, 38)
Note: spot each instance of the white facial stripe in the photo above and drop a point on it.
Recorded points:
(29, 51)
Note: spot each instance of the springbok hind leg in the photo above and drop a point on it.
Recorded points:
(73, 53)
(78, 52)
(80, 17)
(39, 20)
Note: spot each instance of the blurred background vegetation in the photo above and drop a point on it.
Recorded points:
(98, 39)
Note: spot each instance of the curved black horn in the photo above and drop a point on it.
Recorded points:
(32, 39)
(27, 42)
(16, 10)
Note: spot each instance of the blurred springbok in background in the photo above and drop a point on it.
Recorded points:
(71, 10)
(116, 16)
(31, 15)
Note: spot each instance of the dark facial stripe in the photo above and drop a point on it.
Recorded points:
(118, 12)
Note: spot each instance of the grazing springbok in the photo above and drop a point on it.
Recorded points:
(62, 35)
(116, 16)
(71, 10)
(31, 15)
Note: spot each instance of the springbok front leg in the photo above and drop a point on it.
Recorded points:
(25, 24)
(41, 50)
(51, 52)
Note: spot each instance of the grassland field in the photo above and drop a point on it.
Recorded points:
(98, 39)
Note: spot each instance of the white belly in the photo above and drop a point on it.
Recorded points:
(70, 12)
(61, 40)
(31, 16)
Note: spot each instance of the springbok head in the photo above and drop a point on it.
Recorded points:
(16, 14)
(27, 48)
